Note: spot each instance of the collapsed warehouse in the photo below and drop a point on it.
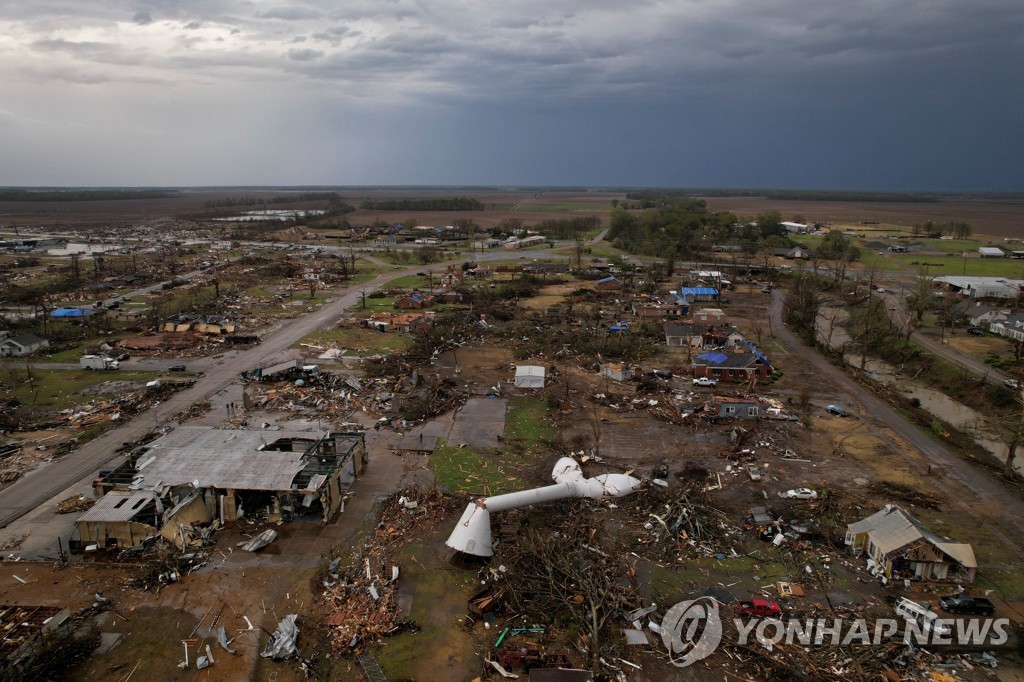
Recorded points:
(196, 475)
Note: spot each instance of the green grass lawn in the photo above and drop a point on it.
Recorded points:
(358, 339)
(527, 421)
(53, 389)
(463, 470)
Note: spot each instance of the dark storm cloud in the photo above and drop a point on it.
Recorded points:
(712, 88)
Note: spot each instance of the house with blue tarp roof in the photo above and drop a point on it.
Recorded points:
(696, 294)
(608, 284)
(414, 301)
(738, 366)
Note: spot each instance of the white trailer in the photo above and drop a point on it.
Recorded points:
(98, 362)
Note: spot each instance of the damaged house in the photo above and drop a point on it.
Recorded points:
(195, 475)
(736, 365)
(898, 546)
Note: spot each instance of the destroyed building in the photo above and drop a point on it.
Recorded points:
(22, 628)
(195, 475)
(899, 546)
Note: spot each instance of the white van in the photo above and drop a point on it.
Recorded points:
(928, 620)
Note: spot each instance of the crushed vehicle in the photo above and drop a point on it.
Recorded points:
(764, 608)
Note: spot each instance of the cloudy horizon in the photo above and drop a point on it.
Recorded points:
(901, 95)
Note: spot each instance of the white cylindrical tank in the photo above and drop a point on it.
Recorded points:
(472, 534)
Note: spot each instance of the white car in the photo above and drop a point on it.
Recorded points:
(704, 381)
(801, 494)
(1012, 383)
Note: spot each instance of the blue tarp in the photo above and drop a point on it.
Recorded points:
(716, 358)
(71, 312)
(607, 279)
(699, 291)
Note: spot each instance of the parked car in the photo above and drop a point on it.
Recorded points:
(1012, 383)
(760, 607)
(837, 411)
(662, 374)
(122, 357)
(801, 494)
(754, 473)
(961, 603)
(176, 368)
(704, 381)
(976, 331)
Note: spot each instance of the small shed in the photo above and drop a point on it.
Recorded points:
(529, 376)
(990, 252)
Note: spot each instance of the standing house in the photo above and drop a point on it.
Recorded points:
(698, 294)
(739, 408)
(414, 301)
(21, 345)
(736, 366)
(608, 284)
(898, 546)
(1012, 327)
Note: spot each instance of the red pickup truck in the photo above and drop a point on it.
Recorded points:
(765, 608)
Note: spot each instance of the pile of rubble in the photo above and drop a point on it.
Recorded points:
(361, 599)
(75, 503)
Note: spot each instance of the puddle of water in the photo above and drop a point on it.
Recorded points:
(939, 404)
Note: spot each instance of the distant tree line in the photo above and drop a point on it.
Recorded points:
(84, 194)
(444, 204)
(333, 199)
(790, 195)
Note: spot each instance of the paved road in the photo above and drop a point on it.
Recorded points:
(42, 484)
(900, 317)
(964, 486)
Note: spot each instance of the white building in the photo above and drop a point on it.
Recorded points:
(23, 344)
(529, 376)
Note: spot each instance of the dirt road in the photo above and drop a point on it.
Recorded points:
(975, 492)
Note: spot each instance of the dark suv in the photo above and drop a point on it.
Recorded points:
(961, 603)
(976, 331)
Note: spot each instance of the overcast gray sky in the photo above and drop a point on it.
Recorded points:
(888, 94)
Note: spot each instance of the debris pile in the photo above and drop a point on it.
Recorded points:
(75, 503)
(361, 599)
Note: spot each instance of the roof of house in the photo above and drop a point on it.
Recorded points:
(891, 529)
(117, 507)
(24, 340)
(70, 312)
(608, 279)
(742, 359)
(700, 291)
(993, 250)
